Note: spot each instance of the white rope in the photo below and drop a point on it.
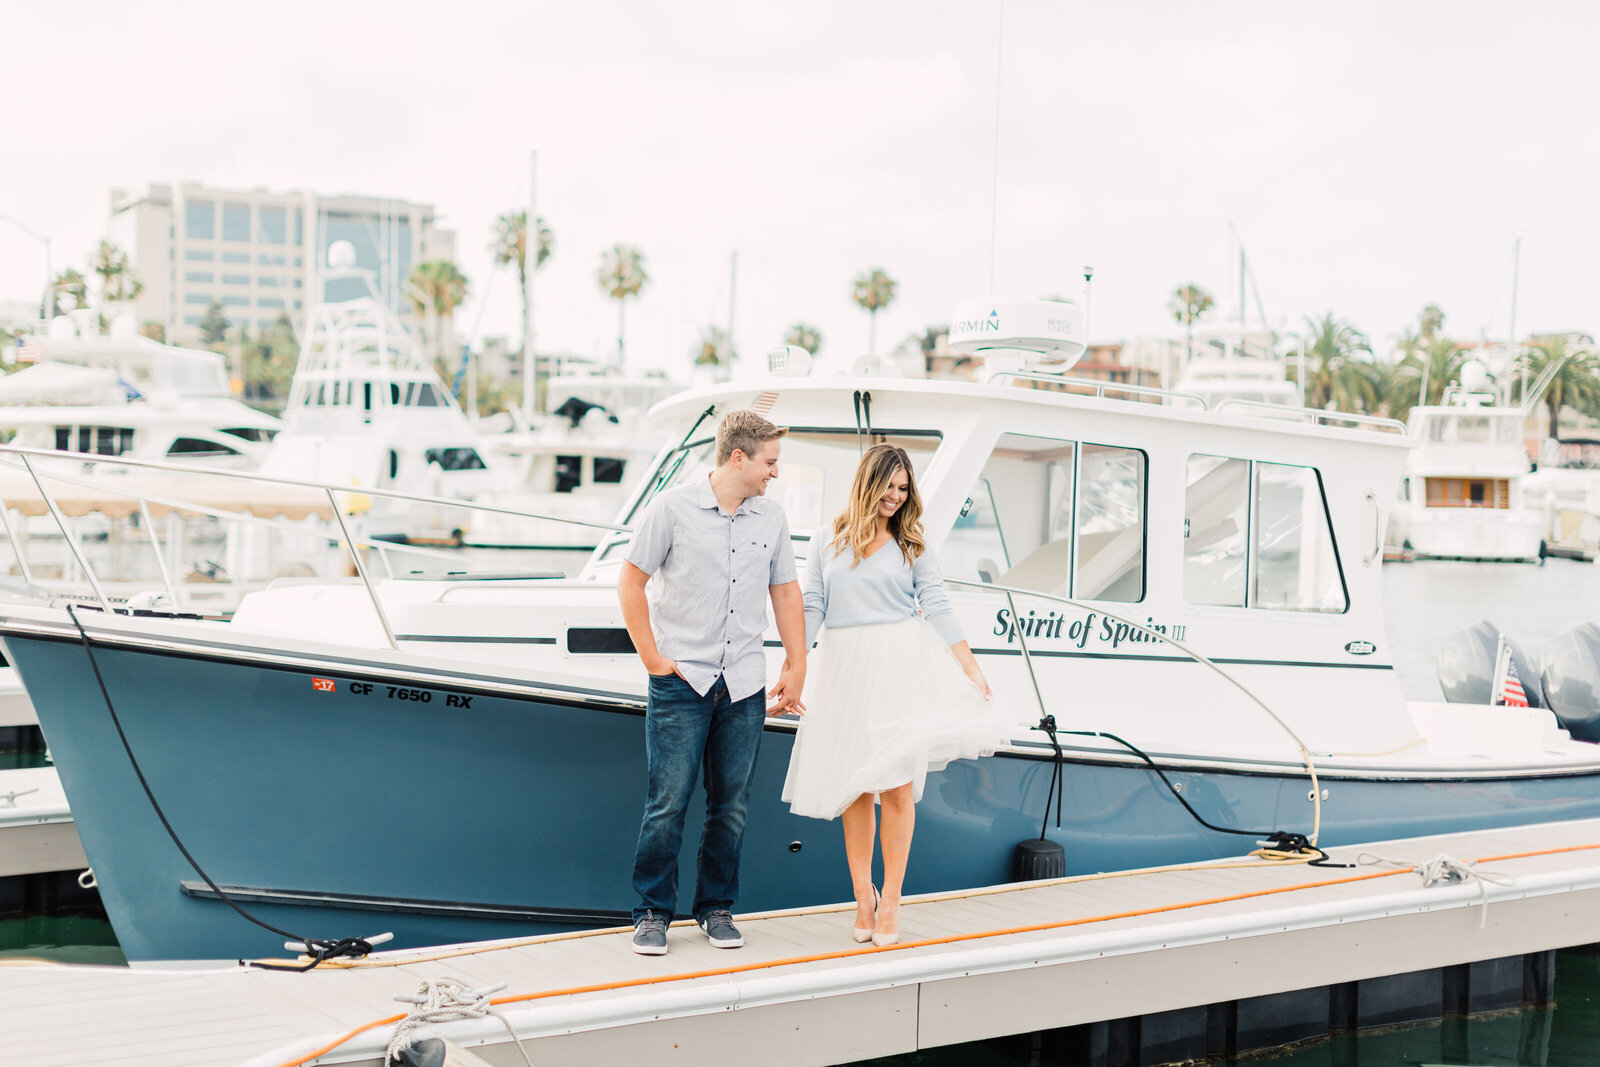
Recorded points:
(445, 999)
(1443, 870)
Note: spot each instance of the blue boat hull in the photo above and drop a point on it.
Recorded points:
(515, 815)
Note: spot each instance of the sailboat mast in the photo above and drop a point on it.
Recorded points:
(530, 260)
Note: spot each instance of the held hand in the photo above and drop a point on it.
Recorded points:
(786, 694)
(662, 668)
(975, 674)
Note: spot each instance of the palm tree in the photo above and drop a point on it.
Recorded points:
(69, 283)
(436, 288)
(1576, 384)
(1187, 303)
(1430, 320)
(1436, 365)
(214, 327)
(805, 335)
(510, 245)
(1335, 378)
(118, 283)
(622, 275)
(873, 291)
(714, 350)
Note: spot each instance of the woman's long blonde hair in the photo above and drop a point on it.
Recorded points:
(857, 524)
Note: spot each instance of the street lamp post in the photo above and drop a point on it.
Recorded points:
(44, 306)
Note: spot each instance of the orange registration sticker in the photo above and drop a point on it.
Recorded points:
(323, 685)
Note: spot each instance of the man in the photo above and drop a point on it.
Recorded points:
(712, 552)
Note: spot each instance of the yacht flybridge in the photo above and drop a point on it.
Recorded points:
(1462, 493)
(367, 408)
(1190, 590)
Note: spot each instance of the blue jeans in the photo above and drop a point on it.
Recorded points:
(683, 731)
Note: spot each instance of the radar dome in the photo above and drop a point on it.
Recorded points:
(341, 255)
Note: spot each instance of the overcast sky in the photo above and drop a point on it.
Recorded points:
(1373, 157)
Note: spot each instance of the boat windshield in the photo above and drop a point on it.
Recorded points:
(815, 469)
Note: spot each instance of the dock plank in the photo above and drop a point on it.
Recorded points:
(866, 1002)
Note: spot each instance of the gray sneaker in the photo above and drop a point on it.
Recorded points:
(719, 927)
(650, 935)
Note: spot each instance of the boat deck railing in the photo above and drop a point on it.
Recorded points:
(1312, 416)
(1101, 388)
(27, 460)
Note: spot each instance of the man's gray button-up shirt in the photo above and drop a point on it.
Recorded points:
(709, 577)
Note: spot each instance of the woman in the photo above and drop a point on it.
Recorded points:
(892, 695)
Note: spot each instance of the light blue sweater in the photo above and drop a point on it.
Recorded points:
(883, 587)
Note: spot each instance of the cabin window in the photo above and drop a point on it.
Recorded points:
(394, 394)
(1258, 535)
(1468, 492)
(366, 396)
(1296, 567)
(815, 472)
(95, 440)
(1216, 525)
(1472, 429)
(1057, 517)
(196, 446)
(608, 470)
(250, 433)
(427, 397)
(569, 473)
(1110, 524)
(455, 459)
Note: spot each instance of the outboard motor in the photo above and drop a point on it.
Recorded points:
(1572, 680)
(1467, 666)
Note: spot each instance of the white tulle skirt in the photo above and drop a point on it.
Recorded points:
(885, 704)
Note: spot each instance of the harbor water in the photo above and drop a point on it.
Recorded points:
(1424, 603)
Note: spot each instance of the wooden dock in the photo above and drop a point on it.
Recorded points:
(1005, 960)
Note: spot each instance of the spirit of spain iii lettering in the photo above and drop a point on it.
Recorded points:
(1055, 626)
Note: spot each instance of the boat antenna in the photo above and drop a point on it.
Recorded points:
(994, 180)
(1511, 328)
(1088, 276)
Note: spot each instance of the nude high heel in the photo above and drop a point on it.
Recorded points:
(882, 940)
(863, 936)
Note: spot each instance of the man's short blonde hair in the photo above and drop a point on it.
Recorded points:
(746, 431)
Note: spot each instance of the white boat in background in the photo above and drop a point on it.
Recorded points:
(1461, 496)
(1565, 488)
(126, 395)
(580, 462)
(15, 707)
(368, 410)
(1233, 363)
(37, 835)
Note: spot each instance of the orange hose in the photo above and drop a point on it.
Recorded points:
(601, 987)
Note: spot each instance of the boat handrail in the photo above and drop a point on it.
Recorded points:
(351, 542)
(174, 504)
(1013, 591)
(1314, 416)
(357, 490)
(1099, 386)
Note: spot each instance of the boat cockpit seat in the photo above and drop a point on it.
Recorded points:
(1044, 570)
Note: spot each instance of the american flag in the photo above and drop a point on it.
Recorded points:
(30, 350)
(1512, 695)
